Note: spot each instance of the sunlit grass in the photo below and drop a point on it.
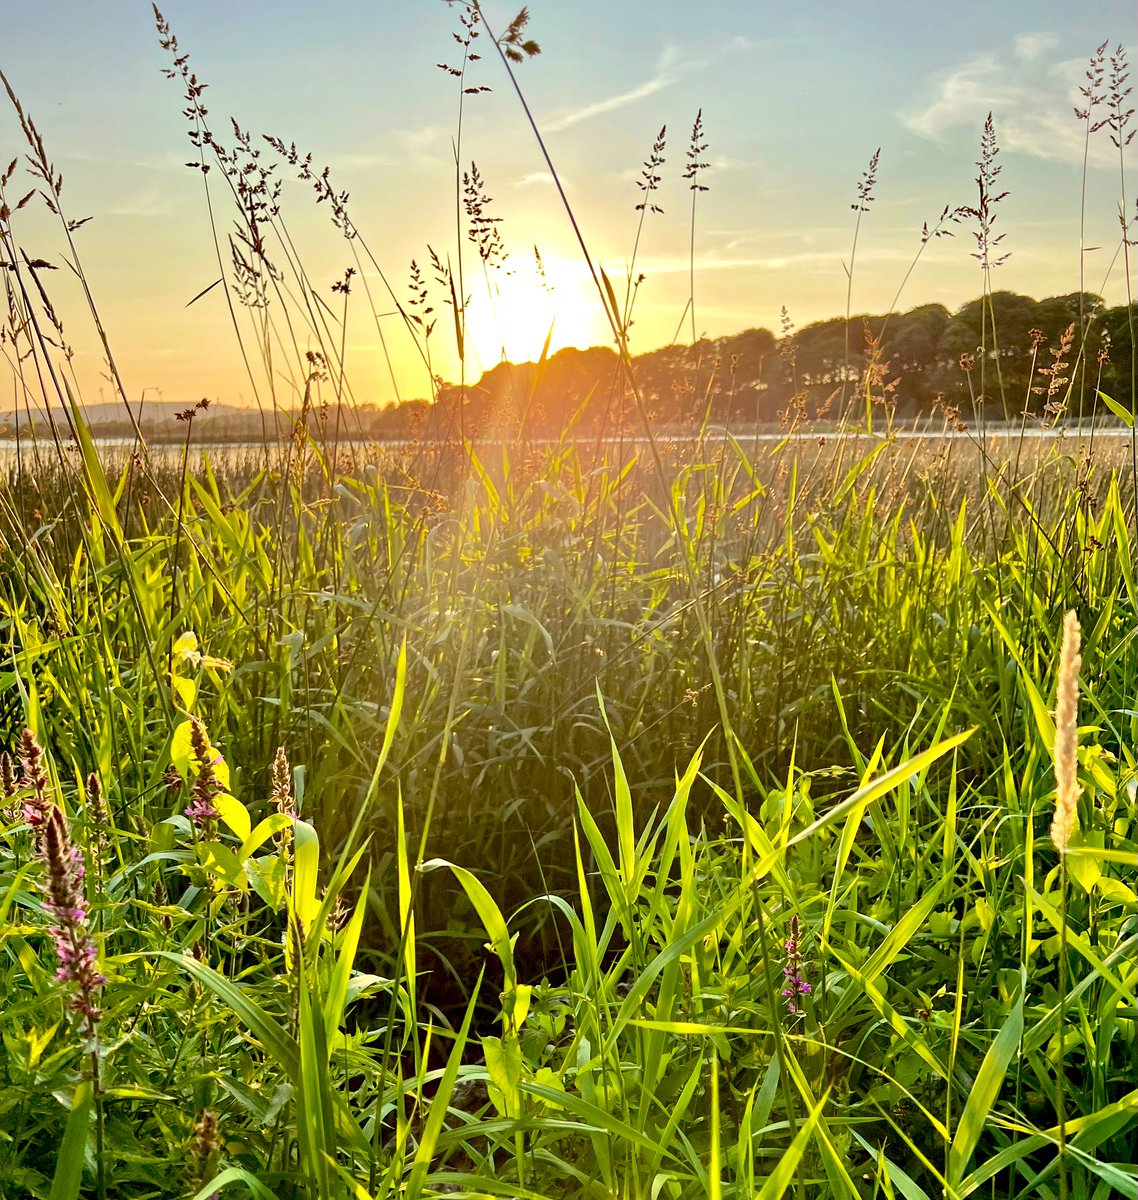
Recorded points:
(630, 818)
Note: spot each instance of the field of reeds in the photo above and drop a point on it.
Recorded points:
(608, 818)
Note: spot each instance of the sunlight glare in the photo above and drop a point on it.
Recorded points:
(511, 314)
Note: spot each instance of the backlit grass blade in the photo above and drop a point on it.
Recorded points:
(434, 1123)
(899, 1025)
(223, 1179)
(68, 1175)
(275, 1040)
(885, 784)
(488, 913)
(786, 1172)
(337, 993)
(985, 1090)
(315, 1122)
(1113, 1117)
(594, 1116)
(1079, 941)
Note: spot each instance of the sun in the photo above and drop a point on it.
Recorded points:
(512, 312)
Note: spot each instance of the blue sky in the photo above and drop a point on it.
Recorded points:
(795, 100)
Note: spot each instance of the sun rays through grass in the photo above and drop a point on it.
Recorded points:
(627, 812)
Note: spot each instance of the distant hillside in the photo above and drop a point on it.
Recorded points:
(156, 417)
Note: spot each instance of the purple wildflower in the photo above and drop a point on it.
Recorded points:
(35, 778)
(201, 810)
(797, 987)
(204, 1151)
(66, 903)
(8, 784)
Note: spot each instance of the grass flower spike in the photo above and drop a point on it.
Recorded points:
(9, 789)
(1067, 736)
(203, 1150)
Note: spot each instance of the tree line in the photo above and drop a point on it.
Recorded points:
(1004, 357)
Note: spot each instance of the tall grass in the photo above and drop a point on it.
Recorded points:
(670, 823)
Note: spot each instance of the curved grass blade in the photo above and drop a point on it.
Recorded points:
(69, 1165)
(986, 1090)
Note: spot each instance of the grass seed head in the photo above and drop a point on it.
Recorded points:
(282, 784)
(1067, 736)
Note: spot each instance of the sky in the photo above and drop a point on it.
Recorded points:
(795, 99)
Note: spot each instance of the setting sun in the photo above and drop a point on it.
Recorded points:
(512, 312)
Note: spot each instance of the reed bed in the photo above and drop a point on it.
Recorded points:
(612, 818)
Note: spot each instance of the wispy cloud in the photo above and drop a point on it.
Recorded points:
(671, 66)
(423, 144)
(149, 202)
(354, 162)
(812, 261)
(1030, 46)
(534, 177)
(665, 74)
(1033, 115)
(119, 158)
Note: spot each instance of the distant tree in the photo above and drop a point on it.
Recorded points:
(1114, 337)
(996, 337)
(910, 344)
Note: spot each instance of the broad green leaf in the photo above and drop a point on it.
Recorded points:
(234, 814)
(306, 865)
(267, 828)
(185, 647)
(503, 1058)
(220, 861)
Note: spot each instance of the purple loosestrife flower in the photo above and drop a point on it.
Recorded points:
(8, 785)
(66, 903)
(283, 800)
(204, 1151)
(201, 811)
(35, 778)
(797, 987)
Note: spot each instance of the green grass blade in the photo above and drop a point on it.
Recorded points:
(786, 1171)
(68, 1175)
(986, 1090)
